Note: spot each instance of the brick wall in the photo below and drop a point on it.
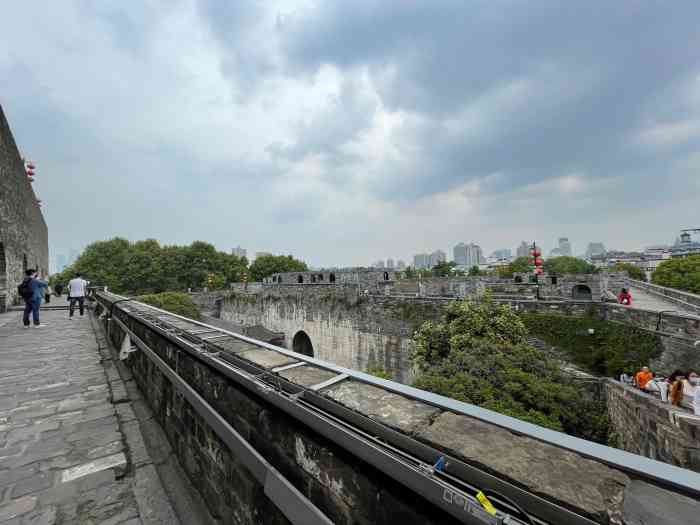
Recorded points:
(646, 426)
(345, 488)
(23, 231)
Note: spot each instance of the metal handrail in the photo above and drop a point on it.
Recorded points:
(687, 481)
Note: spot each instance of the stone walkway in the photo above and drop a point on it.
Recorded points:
(646, 301)
(66, 454)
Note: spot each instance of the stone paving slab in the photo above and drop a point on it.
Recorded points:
(64, 455)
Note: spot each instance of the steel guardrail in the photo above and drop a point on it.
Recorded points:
(662, 474)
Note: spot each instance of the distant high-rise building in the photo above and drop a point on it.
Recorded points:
(400, 265)
(459, 253)
(421, 261)
(505, 253)
(595, 249)
(390, 263)
(437, 257)
(523, 250)
(468, 255)
(262, 254)
(239, 252)
(378, 264)
(563, 248)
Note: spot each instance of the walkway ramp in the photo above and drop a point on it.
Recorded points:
(71, 450)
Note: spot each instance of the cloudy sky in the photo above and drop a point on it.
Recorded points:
(347, 131)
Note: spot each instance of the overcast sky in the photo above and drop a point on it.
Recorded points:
(348, 131)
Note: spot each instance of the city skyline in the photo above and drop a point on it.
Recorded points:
(256, 123)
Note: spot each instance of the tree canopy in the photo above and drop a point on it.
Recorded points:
(266, 265)
(176, 302)
(682, 273)
(480, 355)
(146, 267)
(566, 264)
(518, 265)
(635, 272)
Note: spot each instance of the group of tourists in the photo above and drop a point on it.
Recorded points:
(680, 388)
(35, 290)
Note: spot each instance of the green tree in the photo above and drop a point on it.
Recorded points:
(635, 272)
(479, 354)
(147, 267)
(410, 273)
(682, 273)
(519, 265)
(266, 265)
(565, 264)
(474, 271)
(176, 302)
(443, 269)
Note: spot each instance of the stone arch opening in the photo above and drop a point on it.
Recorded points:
(301, 344)
(300, 279)
(582, 292)
(386, 276)
(24, 263)
(313, 278)
(518, 279)
(332, 278)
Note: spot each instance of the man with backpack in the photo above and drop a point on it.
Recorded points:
(32, 291)
(77, 289)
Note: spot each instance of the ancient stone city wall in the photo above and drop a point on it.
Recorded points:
(23, 232)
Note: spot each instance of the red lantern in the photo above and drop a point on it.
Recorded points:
(30, 166)
(539, 271)
(30, 173)
(539, 262)
(536, 253)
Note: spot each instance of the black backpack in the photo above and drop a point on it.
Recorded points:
(25, 290)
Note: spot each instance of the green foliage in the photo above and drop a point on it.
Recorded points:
(474, 271)
(519, 265)
(409, 273)
(611, 349)
(266, 265)
(633, 271)
(479, 355)
(682, 273)
(378, 371)
(565, 264)
(147, 267)
(175, 302)
(444, 269)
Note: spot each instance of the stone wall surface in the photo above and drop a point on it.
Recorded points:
(23, 231)
(359, 331)
(677, 333)
(648, 427)
(344, 487)
(687, 300)
(346, 327)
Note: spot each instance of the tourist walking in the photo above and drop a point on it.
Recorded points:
(625, 297)
(676, 395)
(643, 377)
(32, 291)
(58, 289)
(77, 288)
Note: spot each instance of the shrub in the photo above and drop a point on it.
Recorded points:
(682, 273)
(175, 302)
(479, 355)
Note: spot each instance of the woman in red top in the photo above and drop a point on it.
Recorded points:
(625, 297)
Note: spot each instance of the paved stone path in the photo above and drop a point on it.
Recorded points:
(646, 301)
(64, 453)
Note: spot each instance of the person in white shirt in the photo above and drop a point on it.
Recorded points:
(77, 289)
(694, 380)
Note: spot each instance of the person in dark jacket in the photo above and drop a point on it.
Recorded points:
(32, 304)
